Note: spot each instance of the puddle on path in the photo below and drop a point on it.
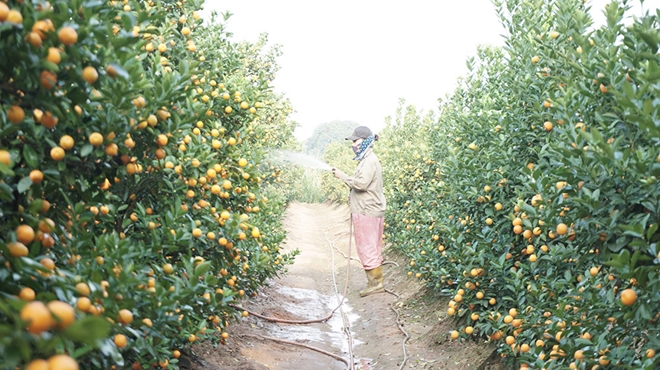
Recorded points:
(310, 304)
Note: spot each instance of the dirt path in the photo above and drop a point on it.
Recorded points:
(309, 291)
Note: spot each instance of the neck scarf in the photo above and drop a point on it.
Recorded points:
(362, 151)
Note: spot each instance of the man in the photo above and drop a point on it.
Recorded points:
(367, 206)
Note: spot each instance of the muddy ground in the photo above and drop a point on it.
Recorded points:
(314, 286)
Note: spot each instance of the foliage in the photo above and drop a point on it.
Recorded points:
(536, 207)
(339, 155)
(327, 133)
(130, 149)
(406, 142)
(309, 187)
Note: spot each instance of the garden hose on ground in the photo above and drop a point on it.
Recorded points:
(350, 363)
(347, 323)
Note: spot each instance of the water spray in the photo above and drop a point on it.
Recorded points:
(299, 159)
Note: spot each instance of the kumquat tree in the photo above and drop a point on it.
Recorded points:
(131, 172)
(138, 202)
(533, 199)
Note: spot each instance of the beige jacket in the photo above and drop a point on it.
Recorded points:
(367, 196)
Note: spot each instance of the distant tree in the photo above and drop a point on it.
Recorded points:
(327, 133)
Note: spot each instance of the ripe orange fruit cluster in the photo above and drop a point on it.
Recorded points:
(41, 317)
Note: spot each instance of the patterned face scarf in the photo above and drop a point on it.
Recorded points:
(362, 149)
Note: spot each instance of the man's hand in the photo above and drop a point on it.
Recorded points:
(338, 173)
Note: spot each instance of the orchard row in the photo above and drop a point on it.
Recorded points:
(133, 193)
(532, 199)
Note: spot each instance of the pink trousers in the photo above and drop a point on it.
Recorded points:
(368, 233)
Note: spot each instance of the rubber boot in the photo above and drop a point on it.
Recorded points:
(375, 282)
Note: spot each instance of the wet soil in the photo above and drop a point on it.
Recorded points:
(379, 324)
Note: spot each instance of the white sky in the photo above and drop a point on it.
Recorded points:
(353, 60)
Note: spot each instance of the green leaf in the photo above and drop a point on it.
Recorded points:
(24, 185)
(643, 312)
(50, 66)
(653, 71)
(202, 268)
(92, 3)
(119, 70)
(35, 205)
(30, 156)
(651, 38)
(88, 148)
(583, 342)
(88, 330)
(652, 229)
(6, 192)
(83, 350)
(619, 260)
(635, 257)
(52, 172)
(635, 230)
(6, 170)
(628, 90)
(128, 19)
(109, 349)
